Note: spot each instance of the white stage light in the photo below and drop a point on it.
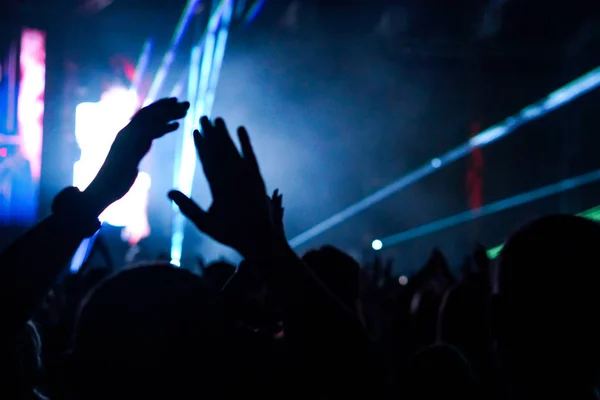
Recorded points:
(377, 245)
(96, 126)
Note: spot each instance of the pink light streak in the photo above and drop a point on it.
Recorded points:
(30, 110)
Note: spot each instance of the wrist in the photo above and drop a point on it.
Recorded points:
(94, 199)
(267, 245)
(74, 210)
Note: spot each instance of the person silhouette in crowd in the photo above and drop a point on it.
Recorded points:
(151, 332)
(545, 301)
(439, 371)
(31, 265)
(315, 320)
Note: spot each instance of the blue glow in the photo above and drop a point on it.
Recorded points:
(492, 208)
(218, 58)
(205, 72)
(565, 94)
(142, 65)
(211, 26)
(205, 66)
(436, 163)
(254, 11)
(186, 163)
(82, 253)
(169, 56)
(377, 245)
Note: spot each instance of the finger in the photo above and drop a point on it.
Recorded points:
(224, 136)
(191, 210)
(207, 127)
(199, 143)
(206, 160)
(168, 129)
(275, 192)
(169, 111)
(247, 150)
(179, 110)
(158, 105)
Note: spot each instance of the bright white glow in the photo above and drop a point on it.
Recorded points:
(96, 126)
(436, 163)
(377, 245)
(403, 280)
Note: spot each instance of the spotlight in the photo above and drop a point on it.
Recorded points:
(377, 245)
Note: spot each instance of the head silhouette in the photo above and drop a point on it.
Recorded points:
(438, 372)
(21, 362)
(218, 273)
(147, 332)
(338, 271)
(547, 299)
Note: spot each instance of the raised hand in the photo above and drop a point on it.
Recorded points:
(120, 169)
(239, 215)
(276, 209)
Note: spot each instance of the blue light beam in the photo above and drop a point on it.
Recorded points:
(169, 57)
(206, 61)
(183, 164)
(254, 11)
(221, 44)
(554, 100)
(142, 65)
(501, 205)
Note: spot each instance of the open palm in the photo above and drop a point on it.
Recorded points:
(120, 169)
(239, 215)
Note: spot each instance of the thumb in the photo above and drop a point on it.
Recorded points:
(191, 210)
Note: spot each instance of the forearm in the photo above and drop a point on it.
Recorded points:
(29, 267)
(291, 280)
(309, 306)
(321, 331)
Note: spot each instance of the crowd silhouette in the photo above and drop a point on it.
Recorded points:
(283, 326)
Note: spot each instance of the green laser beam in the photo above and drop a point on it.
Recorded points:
(592, 213)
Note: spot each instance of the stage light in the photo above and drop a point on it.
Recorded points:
(169, 57)
(377, 245)
(205, 67)
(185, 162)
(403, 280)
(436, 163)
(554, 100)
(492, 208)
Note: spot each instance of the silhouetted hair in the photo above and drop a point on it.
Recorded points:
(548, 293)
(146, 331)
(337, 270)
(439, 372)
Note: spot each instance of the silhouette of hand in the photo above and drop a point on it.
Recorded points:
(120, 169)
(239, 215)
(276, 209)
